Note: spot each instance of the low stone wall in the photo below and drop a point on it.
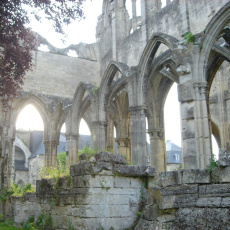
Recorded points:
(103, 194)
(189, 199)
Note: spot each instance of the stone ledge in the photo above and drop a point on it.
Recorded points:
(134, 170)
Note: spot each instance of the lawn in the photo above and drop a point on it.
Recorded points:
(4, 226)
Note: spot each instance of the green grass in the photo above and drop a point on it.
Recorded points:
(4, 226)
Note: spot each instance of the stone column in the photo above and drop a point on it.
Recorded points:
(203, 128)
(134, 15)
(99, 135)
(157, 149)
(51, 153)
(196, 143)
(123, 145)
(139, 153)
(110, 137)
(113, 24)
(9, 159)
(72, 149)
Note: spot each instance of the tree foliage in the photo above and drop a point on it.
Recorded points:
(17, 41)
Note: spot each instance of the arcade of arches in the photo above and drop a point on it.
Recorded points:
(124, 78)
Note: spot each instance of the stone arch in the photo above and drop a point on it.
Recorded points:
(211, 32)
(212, 57)
(37, 103)
(106, 83)
(161, 76)
(23, 147)
(147, 58)
(76, 106)
(118, 116)
(73, 118)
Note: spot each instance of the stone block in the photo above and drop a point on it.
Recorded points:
(179, 190)
(225, 202)
(221, 175)
(187, 111)
(209, 202)
(176, 201)
(134, 170)
(151, 212)
(188, 129)
(135, 182)
(170, 178)
(218, 190)
(87, 168)
(122, 182)
(80, 181)
(185, 92)
(110, 157)
(101, 181)
(117, 199)
(193, 176)
(224, 159)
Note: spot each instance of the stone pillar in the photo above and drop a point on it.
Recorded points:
(9, 160)
(50, 153)
(203, 128)
(196, 143)
(157, 149)
(123, 147)
(99, 135)
(72, 149)
(134, 15)
(113, 24)
(139, 153)
(110, 137)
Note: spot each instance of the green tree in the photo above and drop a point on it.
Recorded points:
(17, 41)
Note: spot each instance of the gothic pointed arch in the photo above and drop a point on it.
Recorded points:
(106, 84)
(75, 111)
(214, 29)
(21, 103)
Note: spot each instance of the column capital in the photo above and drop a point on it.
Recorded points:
(99, 123)
(156, 133)
(133, 110)
(71, 136)
(125, 141)
(48, 142)
(200, 89)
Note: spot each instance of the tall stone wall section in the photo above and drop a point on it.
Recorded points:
(59, 75)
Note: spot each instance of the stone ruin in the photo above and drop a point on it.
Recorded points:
(120, 81)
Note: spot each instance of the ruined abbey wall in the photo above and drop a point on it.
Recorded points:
(58, 75)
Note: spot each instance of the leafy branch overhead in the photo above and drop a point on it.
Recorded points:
(17, 41)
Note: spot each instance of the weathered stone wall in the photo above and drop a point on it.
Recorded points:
(107, 194)
(101, 194)
(59, 75)
(189, 199)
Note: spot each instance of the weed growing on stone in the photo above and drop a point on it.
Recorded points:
(88, 151)
(15, 190)
(95, 88)
(213, 164)
(70, 225)
(189, 37)
(54, 173)
(43, 222)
